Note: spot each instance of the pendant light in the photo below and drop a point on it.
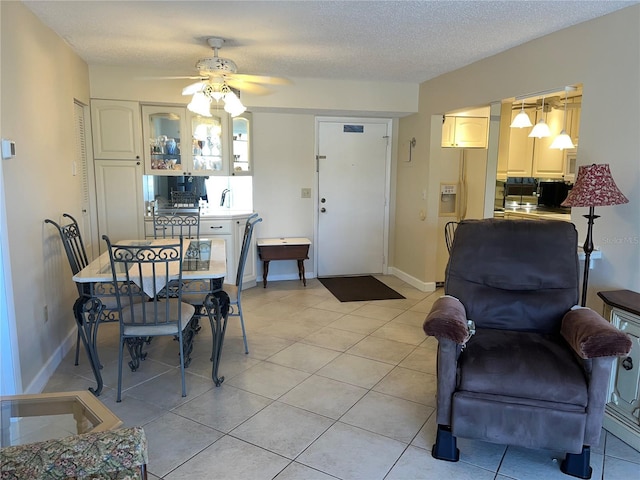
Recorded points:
(563, 141)
(541, 129)
(522, 119)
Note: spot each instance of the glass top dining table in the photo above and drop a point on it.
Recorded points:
(203, 259)
(203, 264)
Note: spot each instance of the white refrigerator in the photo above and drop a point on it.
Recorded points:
(462, 193)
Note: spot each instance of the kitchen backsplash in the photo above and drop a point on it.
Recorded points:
(238, 190)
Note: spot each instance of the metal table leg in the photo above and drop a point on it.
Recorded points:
(87, 312)
(218, 312)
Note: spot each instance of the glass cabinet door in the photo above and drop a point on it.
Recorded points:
(162, 129)
(207, 146)
(241, 153)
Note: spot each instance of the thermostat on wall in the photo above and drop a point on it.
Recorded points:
(8, 148)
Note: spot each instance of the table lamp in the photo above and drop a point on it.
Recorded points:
(594, 187)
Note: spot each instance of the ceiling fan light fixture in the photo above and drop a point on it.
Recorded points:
(200, 104)
(233, 105)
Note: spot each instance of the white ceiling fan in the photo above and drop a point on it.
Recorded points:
(220, 71)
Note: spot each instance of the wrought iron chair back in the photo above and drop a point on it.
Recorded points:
(76, 255)
(176, 222)
(235, 291)
(184, 199)
(449, 232)
(146, 308)
(73, 246)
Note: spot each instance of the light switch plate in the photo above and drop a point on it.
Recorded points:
(8, 148)
(305, 193)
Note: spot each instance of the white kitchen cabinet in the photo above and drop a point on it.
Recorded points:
(520, 148)
(241, 151)
(549, 162)
(119, 199)
(222, 229)
(183, 143)
(465, 132)
(116, 130)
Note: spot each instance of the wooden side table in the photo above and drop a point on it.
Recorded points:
(284, 248)
(622, 411)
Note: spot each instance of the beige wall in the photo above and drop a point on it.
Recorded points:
(603, 55)
(41, 77)
(304, 96)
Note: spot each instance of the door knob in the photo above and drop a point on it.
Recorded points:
(322, 200)
(323, 209)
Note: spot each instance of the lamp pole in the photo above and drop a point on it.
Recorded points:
(587, 248)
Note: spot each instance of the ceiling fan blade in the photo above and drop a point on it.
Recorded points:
(260, 79)
(248, 87)
(177, 77)
(193, 88)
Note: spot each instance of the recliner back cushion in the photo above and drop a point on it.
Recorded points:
(515, 274)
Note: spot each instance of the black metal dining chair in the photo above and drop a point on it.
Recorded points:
(235, 290)
(449, 232)
(176, 222)
(145, 308)
(78, 259)
(76, 254)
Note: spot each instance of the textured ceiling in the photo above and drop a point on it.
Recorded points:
(406, 41)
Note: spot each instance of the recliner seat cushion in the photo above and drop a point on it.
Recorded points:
(522, 365)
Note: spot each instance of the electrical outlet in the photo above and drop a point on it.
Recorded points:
(305, 193)
(46, 313)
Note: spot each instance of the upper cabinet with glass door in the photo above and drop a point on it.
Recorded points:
(182, 143)
(209, 151)
(241, 152)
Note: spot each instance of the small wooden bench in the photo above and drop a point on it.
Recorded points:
(284, 248)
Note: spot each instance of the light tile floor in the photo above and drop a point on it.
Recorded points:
(329, 390)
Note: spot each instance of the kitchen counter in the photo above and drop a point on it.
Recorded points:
(216, 213)
(532, 214)
(225, 213)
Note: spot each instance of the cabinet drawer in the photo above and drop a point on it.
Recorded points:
(215, 227)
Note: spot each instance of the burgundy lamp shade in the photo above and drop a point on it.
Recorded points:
(594, 187)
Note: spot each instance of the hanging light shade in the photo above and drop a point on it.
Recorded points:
(541, 129)
(202, 99)
(522, 120)
(233, 105)
(200, 104)
(563, 141)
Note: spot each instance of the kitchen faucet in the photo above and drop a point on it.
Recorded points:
(224, 196)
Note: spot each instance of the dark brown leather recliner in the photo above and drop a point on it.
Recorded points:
(516, 364)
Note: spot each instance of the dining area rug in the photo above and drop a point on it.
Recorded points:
(359, 288)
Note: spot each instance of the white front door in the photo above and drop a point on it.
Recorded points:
(353, 166)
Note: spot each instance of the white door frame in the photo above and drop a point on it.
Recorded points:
(387, 184)
(10, 374)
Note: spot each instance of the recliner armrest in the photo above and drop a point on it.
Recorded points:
(592, 336)
(448, 320)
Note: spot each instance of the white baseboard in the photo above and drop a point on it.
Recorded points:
(283, 276)
(414, 282)
(44, 375)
